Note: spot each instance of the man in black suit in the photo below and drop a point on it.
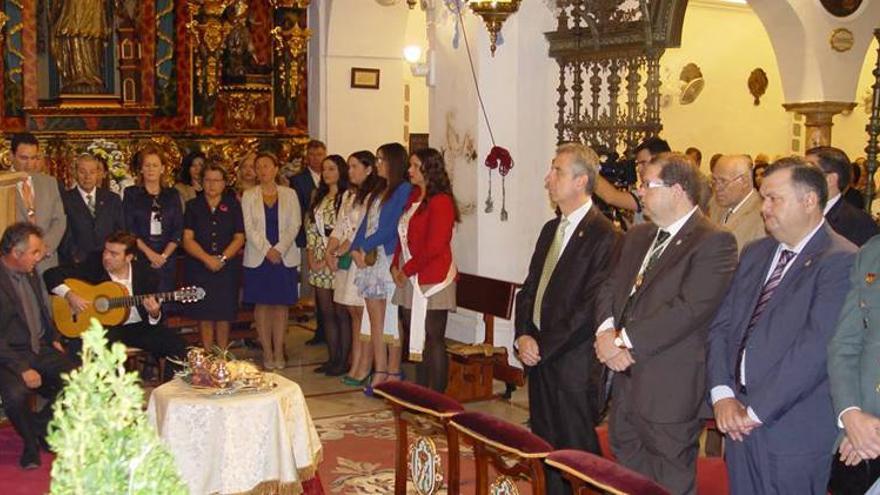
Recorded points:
(31, 359)
(656, 308)
(305, 183)
(853, 224)
(554, 309)
(143, 329)
(93, 213)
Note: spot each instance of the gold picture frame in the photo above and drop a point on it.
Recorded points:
(364, 78)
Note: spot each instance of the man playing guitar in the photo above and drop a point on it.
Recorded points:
(143, 329)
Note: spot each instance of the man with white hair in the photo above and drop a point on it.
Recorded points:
(555, 308)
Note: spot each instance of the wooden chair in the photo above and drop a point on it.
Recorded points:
(139, 360)
(514, 452)
(472, 367)
(428, 413)
(588, 473)
(712, 478)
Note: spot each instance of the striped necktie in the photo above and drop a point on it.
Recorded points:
(90, 202)
(767, 292)
(549, 265)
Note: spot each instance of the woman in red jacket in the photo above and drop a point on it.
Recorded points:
(423, 268)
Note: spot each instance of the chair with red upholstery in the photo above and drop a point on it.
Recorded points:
(514, 452)
(711, 471)
(428, 414)
(589, 472)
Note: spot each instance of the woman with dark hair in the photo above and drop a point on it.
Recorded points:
(190, 175)
(271, 221)
(372, 249)
(320, 221)
(154, 214)
(364, 181)
(423, 268)
(213, 235)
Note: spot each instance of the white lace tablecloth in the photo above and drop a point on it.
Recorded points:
(233, 444)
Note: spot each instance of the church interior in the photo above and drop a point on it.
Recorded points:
(484, 82)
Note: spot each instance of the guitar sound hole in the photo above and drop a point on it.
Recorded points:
(102, 304)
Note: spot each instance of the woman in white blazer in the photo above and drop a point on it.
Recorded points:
(271, 220)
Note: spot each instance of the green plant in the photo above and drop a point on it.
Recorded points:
(100, 432)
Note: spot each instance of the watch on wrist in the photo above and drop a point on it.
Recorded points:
(222, 258)
(618, 340)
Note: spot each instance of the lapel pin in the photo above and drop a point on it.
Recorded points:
(808, 262)
(580, 233)
(870, 277)
(678, 242)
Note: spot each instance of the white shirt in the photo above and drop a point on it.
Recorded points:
(85, 195)
(673, 230)
(316, 177)
(738, 205)
(830, 204)
(133, 316)
(723, 391)
(574, 219)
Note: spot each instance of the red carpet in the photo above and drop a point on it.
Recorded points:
(16, 481)
(359, 456)
(13, 479)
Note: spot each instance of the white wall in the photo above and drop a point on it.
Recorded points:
(362, 33)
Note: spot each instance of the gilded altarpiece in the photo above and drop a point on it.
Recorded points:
(226, 77)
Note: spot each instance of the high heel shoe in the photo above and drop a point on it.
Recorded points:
(368, 390)
(354, 382)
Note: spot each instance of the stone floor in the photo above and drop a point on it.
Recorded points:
(328, 397)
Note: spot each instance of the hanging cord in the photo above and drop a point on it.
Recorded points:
(467, 47)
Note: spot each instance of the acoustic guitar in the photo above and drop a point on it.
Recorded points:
(110, 304)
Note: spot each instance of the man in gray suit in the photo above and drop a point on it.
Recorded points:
(736, 205)
(767, 345)
(852, 368)
(39, 199)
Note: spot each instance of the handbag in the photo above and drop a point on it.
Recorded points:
(344, 261)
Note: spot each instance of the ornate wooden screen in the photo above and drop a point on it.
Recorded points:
(608, 53)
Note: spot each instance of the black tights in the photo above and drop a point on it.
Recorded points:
(432, 371)
(337, 328)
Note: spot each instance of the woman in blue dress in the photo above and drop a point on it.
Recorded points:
(154, 214)
(213, 235)
(372, 250)
(271, 220)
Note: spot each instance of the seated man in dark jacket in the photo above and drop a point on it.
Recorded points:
(31, 359)
(143, 329)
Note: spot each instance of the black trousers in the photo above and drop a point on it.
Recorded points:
(853, 480)
(50, 364)
(563, 406)
(155, 339)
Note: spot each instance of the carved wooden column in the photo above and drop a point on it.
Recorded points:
(8, 180)
(873, 129)
(818, 119)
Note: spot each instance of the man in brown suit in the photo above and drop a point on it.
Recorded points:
(737, 205)
(655, 311)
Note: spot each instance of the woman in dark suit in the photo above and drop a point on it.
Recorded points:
(213, 235)
(154, 214)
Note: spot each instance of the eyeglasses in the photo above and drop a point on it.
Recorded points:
(721, 182)
(653, 184)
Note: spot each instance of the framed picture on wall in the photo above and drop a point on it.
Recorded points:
(417, 141)
(364, 78)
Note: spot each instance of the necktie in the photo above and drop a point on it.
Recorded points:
(657, 249)
(549, 265)
(90, 203)
(31, 310)
(27, 195)
(767, 291)
(727, 215)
